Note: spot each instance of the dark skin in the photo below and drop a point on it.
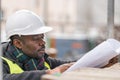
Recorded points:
(34, 46)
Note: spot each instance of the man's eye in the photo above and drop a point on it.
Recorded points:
(36, 39)
(42, 37)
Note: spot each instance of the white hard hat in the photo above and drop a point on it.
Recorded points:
(25, 22)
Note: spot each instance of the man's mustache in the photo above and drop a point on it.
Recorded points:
(42, 48)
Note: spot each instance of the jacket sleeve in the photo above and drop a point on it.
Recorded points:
(56, 62)
(26, 75)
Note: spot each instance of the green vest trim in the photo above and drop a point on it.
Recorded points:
(14, 68)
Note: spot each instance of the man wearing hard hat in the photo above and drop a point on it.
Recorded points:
(24, 56)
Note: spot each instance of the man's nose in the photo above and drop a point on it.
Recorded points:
(41, 42)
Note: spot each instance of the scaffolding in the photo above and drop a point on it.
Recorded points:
(110, 19)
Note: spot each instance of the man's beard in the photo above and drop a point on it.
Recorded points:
(41, 55)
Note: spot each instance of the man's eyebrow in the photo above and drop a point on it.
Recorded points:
(41, 36)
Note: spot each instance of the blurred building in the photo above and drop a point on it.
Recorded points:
(72, 20)
(71, 17)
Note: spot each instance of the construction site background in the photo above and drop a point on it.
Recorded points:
(79, 25)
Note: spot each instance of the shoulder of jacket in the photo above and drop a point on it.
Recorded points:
(4, 46)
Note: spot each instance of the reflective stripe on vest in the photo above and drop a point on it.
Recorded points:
(47, 65)
(14, 68)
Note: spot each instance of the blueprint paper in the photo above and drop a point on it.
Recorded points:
(99, 56)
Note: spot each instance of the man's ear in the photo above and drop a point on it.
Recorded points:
(17, 43)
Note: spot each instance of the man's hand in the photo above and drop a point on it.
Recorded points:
(60, 68)
(111, 62)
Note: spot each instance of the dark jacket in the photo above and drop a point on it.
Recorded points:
(26, 75)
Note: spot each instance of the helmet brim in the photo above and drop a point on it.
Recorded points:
(40, 30)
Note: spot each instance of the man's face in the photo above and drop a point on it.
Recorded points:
(33, 45)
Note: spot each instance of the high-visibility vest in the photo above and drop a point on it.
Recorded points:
(14, 68)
